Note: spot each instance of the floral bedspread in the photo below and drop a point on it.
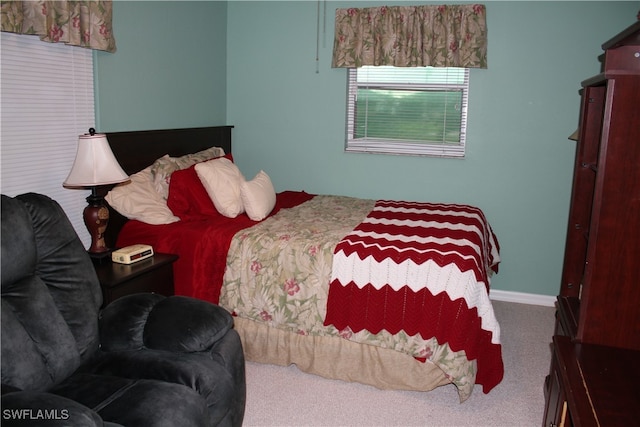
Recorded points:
(278, 272)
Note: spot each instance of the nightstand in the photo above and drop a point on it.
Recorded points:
(154, 274)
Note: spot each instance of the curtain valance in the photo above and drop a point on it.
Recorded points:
(411, 36)
(78, 23)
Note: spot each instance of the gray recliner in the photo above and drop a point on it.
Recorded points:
(144, 360)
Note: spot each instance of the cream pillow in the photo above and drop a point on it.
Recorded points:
(163, 167)
(258, 196)
(221, 178)
(138, 199)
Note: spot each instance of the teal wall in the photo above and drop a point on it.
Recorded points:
(290, 120)
(169, 70)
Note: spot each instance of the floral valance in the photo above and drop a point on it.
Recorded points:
(411, 36)
(78, 23)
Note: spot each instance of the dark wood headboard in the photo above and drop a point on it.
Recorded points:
(138, 149)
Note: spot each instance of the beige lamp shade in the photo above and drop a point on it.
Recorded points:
(94, 164)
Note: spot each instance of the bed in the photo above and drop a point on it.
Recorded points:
(389, 293)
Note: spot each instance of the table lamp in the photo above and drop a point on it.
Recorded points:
(95, 166)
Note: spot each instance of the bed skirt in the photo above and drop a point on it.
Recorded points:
(337, 358)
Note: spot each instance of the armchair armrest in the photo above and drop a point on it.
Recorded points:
(33, 408)
(176, 323)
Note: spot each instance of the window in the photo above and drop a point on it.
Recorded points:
(47, 101)
(407, 110)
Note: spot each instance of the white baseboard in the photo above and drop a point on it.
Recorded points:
(522, 298)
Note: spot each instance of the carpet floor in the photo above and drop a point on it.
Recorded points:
(285, 396)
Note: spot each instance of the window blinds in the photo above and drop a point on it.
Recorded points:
(47, 101)
(407, 110)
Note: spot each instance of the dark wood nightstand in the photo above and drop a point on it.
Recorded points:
(154, 274)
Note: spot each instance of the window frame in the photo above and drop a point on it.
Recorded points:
(387, 146)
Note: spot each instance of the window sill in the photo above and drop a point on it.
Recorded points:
(405, 149)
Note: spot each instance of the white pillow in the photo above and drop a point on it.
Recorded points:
(138, 199)
(163, 167)
(221, 178)
(258, 196)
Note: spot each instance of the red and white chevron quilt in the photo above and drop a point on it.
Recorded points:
(423, 268)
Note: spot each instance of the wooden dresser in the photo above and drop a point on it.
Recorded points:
(593, 385)
(599, 300)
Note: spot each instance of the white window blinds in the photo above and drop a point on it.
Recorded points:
(47, 101)
(407, 110)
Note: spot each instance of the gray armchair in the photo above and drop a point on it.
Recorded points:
(144, 360)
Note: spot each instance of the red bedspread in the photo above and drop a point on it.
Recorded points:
(422, 268)
(202, 242)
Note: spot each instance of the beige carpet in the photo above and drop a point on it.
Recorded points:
(285, 396)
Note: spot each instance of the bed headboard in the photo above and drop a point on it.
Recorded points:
(138, 149)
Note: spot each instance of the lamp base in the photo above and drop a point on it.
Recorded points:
(101, 258)
(96, 218)
(100, 255)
